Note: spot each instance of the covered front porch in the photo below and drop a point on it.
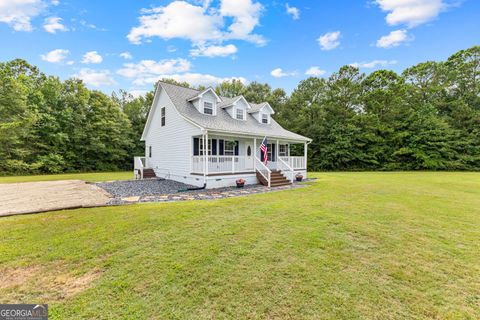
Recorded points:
(217, 154)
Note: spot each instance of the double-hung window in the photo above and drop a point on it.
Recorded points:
(208, 108)
(283, 150)
(202, 147)
(264, 118)
(162, 114)
(229, 148)
(239, 114)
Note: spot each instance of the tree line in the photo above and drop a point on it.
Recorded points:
(427, 118)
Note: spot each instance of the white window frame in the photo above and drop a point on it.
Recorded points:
(269, 151)
(265, 116)
(211, 107)
(229, 143)
(201, 147)
(163, 116)
(237, 114)
(283, 153)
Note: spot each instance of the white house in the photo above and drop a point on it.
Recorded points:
(199, 138)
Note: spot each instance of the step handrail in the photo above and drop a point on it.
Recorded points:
(288, 168)
(268, 173)
(138, 164)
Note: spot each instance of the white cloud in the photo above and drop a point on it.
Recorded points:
(214, 51)
(171, 48)
(246, 16)
(178, 19)
(126, 55)
(55, 2)
(92, 57)
(198, 79)
(18, 13)
(55, 56)
(411, 12)
(293, 11)
(199, 24)
(329, 40)
(71, 62)
(146, 70)
(373, 64)
(95, 78)
(54, 24)
(393, 39)
(315, 71)
(279, 73)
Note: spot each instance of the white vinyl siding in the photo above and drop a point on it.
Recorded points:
(172, 144)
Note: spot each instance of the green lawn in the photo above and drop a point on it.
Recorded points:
(93, 177)
(351, 246)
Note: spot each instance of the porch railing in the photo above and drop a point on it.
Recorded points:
(285, 168)
(138, 166)
(220, 164)
(263, 170)
(294, 162)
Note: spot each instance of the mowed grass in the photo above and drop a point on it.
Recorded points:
(350, 246)
(90, 176)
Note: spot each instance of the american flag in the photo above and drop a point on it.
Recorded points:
(264, 150)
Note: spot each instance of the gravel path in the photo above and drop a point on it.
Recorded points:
(135, 191)
(133, 188)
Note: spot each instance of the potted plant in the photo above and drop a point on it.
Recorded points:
(240, 183)
(299, 177)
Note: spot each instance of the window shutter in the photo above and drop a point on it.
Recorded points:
(236, 147)
(195, 146)
(274, 146)
(214, 147)
(221, 147)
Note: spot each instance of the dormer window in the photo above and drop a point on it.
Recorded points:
(264, 118)
(208, 108)
(240, 114)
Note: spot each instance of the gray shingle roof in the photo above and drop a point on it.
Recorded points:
(223, 121)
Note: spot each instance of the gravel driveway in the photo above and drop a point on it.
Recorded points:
(134, 188)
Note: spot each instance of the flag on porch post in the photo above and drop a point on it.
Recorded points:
(264, 150)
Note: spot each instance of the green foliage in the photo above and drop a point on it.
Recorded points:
(49, 126)
(427, 118)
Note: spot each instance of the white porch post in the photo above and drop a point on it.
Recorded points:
(206, 153)
(276, 151)
(305, 148)
(254, 154)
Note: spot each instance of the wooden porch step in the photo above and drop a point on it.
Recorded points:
(277, 179)
(148, 174)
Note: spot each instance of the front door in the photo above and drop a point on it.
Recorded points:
(249, 155)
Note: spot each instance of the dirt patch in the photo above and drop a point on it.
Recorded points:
(46, 284)
(18, 276)
(30, 197)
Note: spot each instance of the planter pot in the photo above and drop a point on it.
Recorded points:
(299, 178)
(240, 185)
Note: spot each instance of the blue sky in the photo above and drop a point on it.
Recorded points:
(131, 44)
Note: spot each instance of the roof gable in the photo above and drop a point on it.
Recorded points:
(200, 95)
